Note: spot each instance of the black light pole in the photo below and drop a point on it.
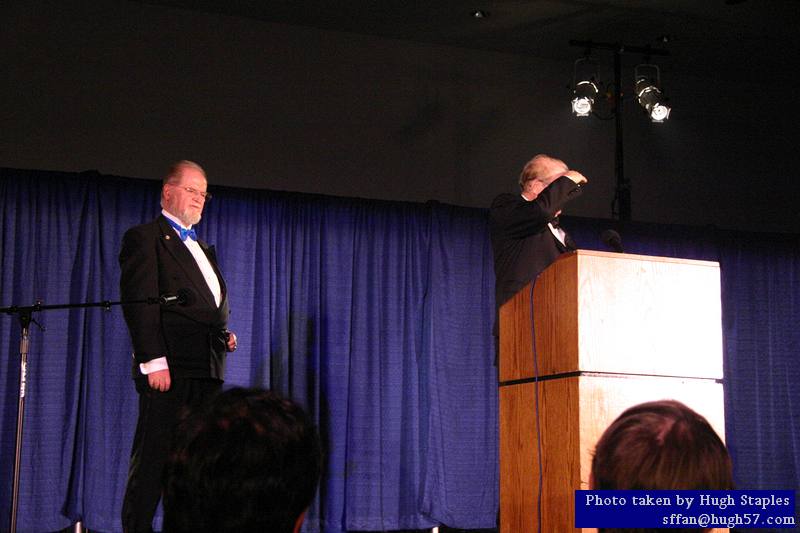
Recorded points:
(621, 207)
(622, 194)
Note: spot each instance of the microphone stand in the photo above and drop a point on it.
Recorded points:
(25, 314)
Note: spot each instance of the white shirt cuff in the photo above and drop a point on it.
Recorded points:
(153, 365)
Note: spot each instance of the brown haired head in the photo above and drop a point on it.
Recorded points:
(659, 446)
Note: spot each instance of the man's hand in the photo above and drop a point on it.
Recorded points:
(231, 341)
(159, 380)
(575, 176)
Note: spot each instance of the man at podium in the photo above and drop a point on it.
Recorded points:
(526, 237)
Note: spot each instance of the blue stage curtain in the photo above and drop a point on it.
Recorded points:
(374, 315)
(761, 280)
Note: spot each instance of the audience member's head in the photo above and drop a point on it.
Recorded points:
(661, 446)
(250, 461)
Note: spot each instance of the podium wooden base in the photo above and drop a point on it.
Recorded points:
(573, 411)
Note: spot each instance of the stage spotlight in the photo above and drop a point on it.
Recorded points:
(584, 88)
(651, 99)
(583, 98)
(649, 94)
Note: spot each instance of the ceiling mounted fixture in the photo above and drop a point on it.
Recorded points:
(584, 86)
(648, 92)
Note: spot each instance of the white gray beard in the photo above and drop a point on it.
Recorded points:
(190, 218)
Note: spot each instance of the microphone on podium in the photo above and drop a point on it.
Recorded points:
(612, 239)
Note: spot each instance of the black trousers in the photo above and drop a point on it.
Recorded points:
(159, 414)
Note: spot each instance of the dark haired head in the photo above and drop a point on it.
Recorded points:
(661, 446)
(250, 461)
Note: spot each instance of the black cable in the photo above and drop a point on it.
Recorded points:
(536, 411)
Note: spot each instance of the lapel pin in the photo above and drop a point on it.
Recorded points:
(166, 237)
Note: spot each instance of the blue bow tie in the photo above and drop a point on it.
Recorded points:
(190, 233)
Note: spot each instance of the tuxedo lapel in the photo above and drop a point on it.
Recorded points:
(211, 253)
(173, 244)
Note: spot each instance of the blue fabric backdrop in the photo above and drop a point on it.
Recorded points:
(375, 315)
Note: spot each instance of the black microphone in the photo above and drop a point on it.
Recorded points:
(168, 299)
(183, 298)
(186, 297)
(612, 239)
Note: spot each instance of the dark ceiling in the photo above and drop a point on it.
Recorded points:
(747, 40)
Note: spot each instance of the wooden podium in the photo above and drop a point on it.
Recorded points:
(611, 330)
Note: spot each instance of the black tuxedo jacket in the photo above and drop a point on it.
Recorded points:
(154, 261)
(522, 243)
